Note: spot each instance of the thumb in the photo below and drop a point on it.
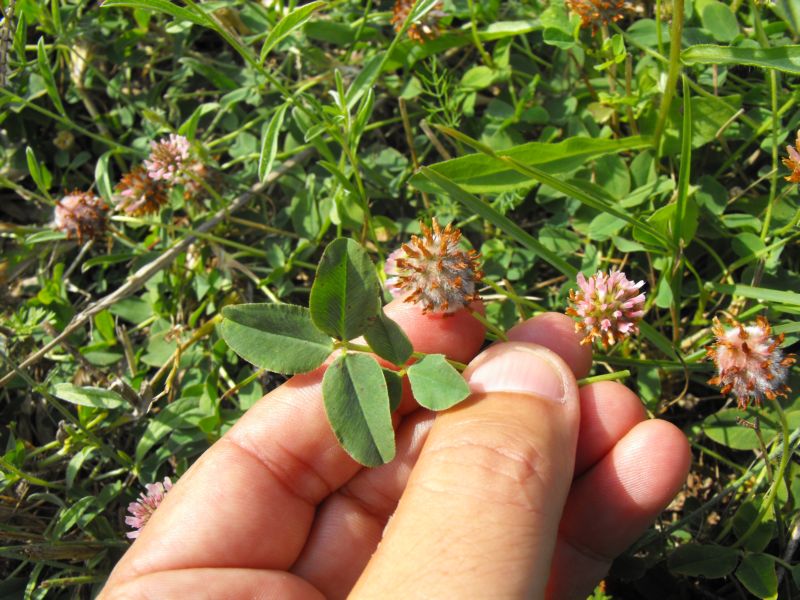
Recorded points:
(480, 514)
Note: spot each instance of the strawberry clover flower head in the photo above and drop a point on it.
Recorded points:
(146, 505)
(607, 306)
(793, 161)
(596, 13)
(168, 159)
(750, 364)
(140, 194)
(81, 215)
(433, 271)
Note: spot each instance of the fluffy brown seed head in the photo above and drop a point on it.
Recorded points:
(81, 215)
(750, 364)
(433, 271)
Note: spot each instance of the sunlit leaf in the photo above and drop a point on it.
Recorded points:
(277, 337)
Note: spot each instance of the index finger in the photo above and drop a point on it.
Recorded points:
(250, 500)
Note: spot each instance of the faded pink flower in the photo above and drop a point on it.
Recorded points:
(139, 194)
(750, 364)
(608, 307)
(168, 159)
(793, 161)
(81, 215)
(433, 271)
(146, 505)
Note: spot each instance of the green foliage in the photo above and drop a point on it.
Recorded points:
(345, 298)
(278, 337)
(436, 384)
(555, 148)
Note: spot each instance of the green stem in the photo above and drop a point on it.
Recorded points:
(475, 39)
(337, 345)
(772, 78)
(605, 377)
(674, 71)
(659, 35)
(501, 335)
(7, 466)
(769, 503)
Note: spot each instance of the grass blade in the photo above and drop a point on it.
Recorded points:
(500, 221)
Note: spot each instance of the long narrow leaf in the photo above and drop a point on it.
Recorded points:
(685, 169)
(46, 71)
(269, 144)
(479, 174)
(287, 25)
(502, 222)
(565, 187)
(163, 6)
(757, 293)
(780, 58)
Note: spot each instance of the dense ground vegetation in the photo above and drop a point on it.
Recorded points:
(642, 136)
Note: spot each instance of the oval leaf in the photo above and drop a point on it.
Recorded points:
(703, 560)
(723, 427)
(277, 337)
(89, 396)
(757, 574)
(388, 341)
(436, 384)
(357, 403)
(345, 296)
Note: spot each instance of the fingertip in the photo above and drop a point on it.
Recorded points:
(614, 501)
(670, 456)
(556, 332)
(608, 411)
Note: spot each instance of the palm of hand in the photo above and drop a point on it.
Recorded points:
(277, 509)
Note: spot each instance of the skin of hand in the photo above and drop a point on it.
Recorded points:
(528, 489)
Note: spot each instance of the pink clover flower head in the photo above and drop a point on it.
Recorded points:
(433, 271)
(608, 307)
(750, 364)
(168, 159)
(81, 215)
(146, 505)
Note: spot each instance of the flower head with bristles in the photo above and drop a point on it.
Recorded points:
(139, 194)
(596, 13)
(146, 505)
(750, 364)
(607, 306)
(168, 159)
(433, 271)
(81, 215)
(793, 161)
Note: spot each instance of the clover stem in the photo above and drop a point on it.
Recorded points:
(772, 492)
(605, 377)
(672, 75)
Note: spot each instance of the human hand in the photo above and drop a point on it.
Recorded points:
(527, 489)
